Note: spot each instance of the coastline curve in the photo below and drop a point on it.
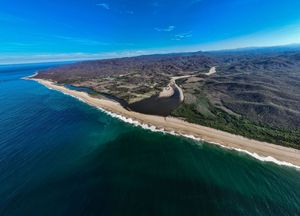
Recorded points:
(262, 151)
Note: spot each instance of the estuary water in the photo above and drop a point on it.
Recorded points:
(59, 156)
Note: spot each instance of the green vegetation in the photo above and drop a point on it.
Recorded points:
(254, 94)
(238, 125)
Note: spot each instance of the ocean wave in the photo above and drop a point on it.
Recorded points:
(155, 129)
(30, 76)
(259, 157)
(162, 130)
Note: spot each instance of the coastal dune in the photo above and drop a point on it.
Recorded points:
(266, 151)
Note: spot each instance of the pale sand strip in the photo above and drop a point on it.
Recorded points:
(263, 149)
(211, 71)
(169, 90)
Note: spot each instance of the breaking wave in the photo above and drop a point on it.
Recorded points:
(161, 130)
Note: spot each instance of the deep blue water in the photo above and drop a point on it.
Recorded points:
(59, 156)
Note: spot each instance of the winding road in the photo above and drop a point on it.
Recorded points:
(173, 84)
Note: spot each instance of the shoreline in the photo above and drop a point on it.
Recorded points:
(260, 150)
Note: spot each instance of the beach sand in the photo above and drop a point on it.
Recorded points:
(261, 150)
(211, 71)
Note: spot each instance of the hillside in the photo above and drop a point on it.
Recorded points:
(255, 94)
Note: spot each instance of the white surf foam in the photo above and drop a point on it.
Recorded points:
(259, 157)
(161, 130)
(30, 76)
(155, 129)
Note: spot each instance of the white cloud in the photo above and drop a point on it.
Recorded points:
(104, 5)
(182, 36)
(167, 29)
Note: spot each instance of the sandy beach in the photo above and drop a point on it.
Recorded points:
(263, 150)
(211, 71)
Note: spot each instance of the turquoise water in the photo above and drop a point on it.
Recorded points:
(59, 156)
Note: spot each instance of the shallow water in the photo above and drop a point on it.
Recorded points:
(155, 105)
(59, 156)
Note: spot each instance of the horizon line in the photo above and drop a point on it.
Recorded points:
(126, 54)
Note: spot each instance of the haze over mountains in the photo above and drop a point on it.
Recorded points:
(149, 107)
(255, 92)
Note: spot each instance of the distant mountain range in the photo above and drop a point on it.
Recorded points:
(255, 92)
(270, 49)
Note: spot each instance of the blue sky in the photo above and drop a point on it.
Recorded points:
(42, 30)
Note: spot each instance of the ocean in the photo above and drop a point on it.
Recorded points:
(59, 156)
